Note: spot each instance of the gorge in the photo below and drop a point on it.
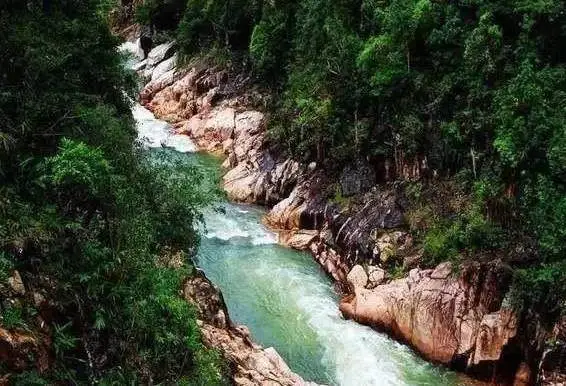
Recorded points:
(193, 100)
(284, 299)
(289, 192)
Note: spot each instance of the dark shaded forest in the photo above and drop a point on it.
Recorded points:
(85, 221)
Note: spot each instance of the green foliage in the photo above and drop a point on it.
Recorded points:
(338, 198)
(79, 166)
(63, 340)
(85, 214)
(441, 244)
(6, 267)
(541, 288)
(470, 231)
(216, 22)
(105, 7)
(29, 378)
(162, 14)
(13, 317)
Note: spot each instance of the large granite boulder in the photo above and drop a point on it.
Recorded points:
(449, 317)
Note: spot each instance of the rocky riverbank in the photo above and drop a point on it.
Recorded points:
(250, 364)
(353, 223)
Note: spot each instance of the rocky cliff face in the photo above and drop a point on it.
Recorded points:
(455, 318)
(351, 226)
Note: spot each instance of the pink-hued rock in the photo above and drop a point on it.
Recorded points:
(443, 314)
(300, 239)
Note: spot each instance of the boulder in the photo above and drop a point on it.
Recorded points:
(299, 240)
(249, 123)
(220, 123)
(160, 53)
(446, 317)
(357, 277)
(376, 275)
(240, 182)
(163, 67)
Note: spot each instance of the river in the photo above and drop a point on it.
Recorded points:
(282, 295)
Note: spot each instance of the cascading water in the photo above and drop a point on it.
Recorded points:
(282, 295)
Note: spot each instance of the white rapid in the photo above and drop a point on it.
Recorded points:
(156, 133)
(288, 303)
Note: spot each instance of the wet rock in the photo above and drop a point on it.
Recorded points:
(140, 65)
(250, 364)
(299, 240)
(330, 260)
(163, 67)
(240, 182)
(160, 53)
(301, 209)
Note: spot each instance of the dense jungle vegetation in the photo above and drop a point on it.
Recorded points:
(477, 88)
(84, 219)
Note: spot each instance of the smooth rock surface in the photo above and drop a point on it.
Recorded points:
(446, 316)
(300, 240)
(163, 67)
(160, 53)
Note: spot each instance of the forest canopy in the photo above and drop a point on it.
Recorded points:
(85, 216)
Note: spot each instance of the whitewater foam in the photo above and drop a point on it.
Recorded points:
(229, 224)
(153, 132)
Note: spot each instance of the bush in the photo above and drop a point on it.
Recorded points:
(541, 288)
(441, 244)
